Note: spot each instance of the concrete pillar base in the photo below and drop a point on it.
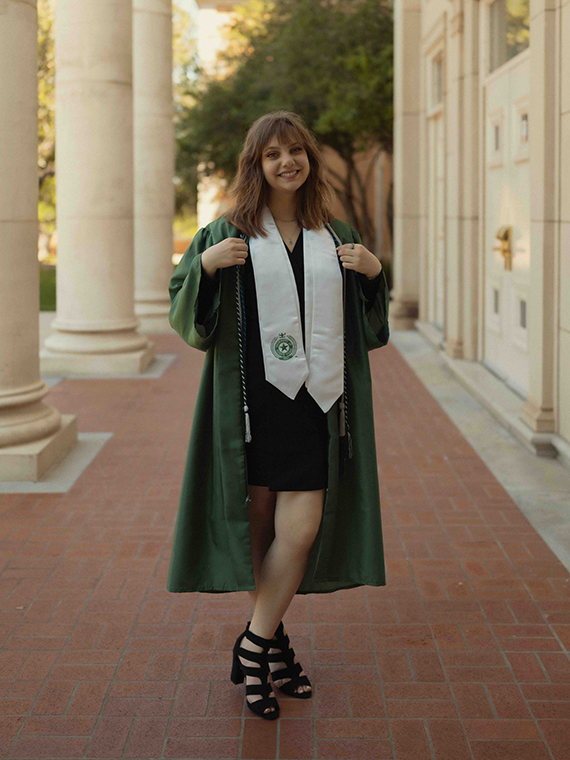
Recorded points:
(29, 461)
(134, 362)
(403, 313)
(151, 308)
(537, 419)
(153, 315)
(156, 323)
(454, 348)
(29, 422)
(502, 402)
(113, 341)
(431, 333)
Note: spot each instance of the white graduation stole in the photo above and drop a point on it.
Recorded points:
(287, 365)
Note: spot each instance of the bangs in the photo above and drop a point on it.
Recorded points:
(283, 131)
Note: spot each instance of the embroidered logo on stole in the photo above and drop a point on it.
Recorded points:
(284, 346)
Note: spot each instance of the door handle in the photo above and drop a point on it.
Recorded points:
(505, 237)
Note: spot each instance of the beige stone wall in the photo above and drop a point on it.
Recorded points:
(457, 29)
(450, 30)
(563, 390)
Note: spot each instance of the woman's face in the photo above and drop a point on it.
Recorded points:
(285, 165)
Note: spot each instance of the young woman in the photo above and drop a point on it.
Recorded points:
(280, 491)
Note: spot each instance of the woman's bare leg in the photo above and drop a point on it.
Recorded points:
(262, 532)
(297, 519)
(262, 528)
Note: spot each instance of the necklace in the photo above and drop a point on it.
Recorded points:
(287, 221)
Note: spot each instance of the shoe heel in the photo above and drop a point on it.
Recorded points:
(237, 675)
(261, 672)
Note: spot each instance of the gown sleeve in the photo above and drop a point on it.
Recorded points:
(194, 296)
(375, 298)
(206, 294)
(369, 288)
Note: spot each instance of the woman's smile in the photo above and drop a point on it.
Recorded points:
(290, 174)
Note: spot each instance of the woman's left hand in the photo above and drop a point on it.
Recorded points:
(360, 259)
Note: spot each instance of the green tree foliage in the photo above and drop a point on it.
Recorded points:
(184, 72)
(328, 60)
(46, 122)
(184, 48)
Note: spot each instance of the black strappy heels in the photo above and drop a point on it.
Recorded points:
(239, 671)
(292, 669)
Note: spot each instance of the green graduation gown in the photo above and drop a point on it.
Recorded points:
(211, 549)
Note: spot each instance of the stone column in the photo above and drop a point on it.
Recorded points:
(470, 189)
(95, 324)
(154, 159)
(33, 435)
(406, 261)
(563, 278)
(454, 179)
(461, 176)
(538, 410)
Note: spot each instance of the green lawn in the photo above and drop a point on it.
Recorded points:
(47, 288)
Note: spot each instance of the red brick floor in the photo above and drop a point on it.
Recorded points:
(462, 655)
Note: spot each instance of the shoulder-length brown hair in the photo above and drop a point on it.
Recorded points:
(250, 188)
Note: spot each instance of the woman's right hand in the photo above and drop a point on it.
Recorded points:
(226, 253)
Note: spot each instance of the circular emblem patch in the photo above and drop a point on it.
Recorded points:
(283, 346)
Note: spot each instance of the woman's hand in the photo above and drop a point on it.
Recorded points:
(356, 256)
(226, 253)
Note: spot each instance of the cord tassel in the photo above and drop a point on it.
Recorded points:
(242, 338)
(344, 430)
(247, 425)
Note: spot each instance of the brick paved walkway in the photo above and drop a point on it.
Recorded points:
(460, 656)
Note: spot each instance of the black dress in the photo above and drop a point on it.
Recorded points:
(289, 446)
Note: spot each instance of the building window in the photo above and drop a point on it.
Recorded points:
(524, 127)
(437, 80)
(508, 30)
(522, 314)
(497, 137)
(495, 300)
